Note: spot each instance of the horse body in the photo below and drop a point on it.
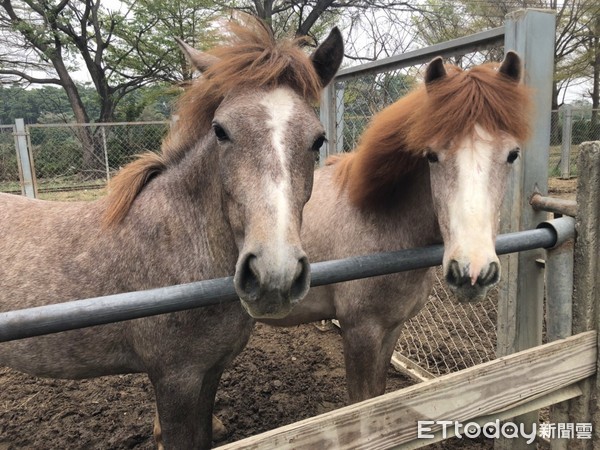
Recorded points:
(240, 159)
(407, 187)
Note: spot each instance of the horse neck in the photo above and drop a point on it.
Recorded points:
(187, 197)
(410, 209)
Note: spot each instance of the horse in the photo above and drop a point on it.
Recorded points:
(223, 197)
(431, 167)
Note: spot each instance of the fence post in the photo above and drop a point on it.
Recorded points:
(339, 117)
(530, 33)
(24, 161)
(565, 153)
(328, 119)
(586, 292)
(103, 130)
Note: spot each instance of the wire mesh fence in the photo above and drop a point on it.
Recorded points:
(447, 336)
(570, 127)
(9, 168)
(81, 156)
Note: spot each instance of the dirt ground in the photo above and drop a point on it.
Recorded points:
(566, 189)
(283, 376)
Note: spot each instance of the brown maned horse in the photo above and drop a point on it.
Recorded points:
(225, 196)
(431, 166)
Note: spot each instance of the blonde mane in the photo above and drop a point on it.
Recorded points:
(250, 58)
(441, 113)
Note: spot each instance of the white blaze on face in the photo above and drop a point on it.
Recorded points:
(471, 210)
(279, 104)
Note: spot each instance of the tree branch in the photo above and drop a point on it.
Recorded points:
(29, 78)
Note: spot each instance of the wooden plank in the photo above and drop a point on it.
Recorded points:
(409, 368)
(563, 394)
(391, 419)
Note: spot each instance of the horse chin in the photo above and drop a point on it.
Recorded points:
(270, 306)
(470, 294)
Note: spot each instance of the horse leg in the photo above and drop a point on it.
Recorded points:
(219, 431)
(368, 349)
(184, 410)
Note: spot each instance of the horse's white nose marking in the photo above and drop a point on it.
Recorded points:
(279, 105)
(471, 215)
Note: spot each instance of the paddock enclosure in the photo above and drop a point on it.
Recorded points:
(527, 376)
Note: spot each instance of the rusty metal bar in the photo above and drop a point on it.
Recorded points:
(553, 205)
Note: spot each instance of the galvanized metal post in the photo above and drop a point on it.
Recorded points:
(565, 151)
(103, 130)
(586, 292)
(339, 117)
(328, 116)
(25, 161)
(559, 315)
(559, 279)
(530, 33)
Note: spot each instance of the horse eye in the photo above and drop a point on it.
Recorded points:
(220, 133)
(432, 157)
(512, 156)
(318, 143)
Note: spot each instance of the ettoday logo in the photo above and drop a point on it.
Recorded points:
(508, 430)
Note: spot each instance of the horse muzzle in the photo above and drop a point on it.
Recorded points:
(469, 283)
(270, 287)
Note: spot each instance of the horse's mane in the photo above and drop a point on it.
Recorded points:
(250, 58)
(441, 113)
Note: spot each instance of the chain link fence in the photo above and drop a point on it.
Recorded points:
(9, 167)
(72, 157)
(447, 336)
(570, 127)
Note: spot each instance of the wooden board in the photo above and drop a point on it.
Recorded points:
(390, 420)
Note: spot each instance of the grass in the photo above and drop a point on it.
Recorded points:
(63, 188)
(73, 196)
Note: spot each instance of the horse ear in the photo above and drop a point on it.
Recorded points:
(198, 59)
(511, 66)
(435, 70)
(328, 56)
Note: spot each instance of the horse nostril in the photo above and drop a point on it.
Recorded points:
(301, 281)
(453, 276)
(492, 276)
(248, 278)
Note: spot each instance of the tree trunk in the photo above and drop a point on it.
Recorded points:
(92, 160)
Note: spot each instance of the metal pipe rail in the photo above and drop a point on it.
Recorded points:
(70, 315)
(454, 47)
